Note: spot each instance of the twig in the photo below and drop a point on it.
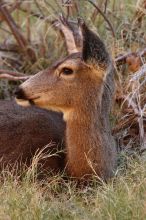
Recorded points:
(28, 23)
(53, 8)
(11, 75)
(104, 16)
(76, 6)
(142, 53)
(16, 32)
(68, 12)
(3, 29)
(12, 9)
(13, 78)
(9, 72)
(132, 104)
(14, 28)
(95, 12)
(123, 124)
(37, 15)
(9, 47)
(39, 8)
(105, 6)
(139, 14)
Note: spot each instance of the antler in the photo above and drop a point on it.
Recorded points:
(71, 33)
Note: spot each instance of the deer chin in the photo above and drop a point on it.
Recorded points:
(27, 102)
(23, 102)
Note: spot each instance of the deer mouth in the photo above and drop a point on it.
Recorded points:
(32, 101)
(27, 101)
(23, 99)
(22, 102)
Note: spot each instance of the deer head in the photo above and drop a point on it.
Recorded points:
(68, 82)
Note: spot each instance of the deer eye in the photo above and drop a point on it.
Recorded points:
(67, 71)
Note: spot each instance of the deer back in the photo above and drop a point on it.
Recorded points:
(24, 131)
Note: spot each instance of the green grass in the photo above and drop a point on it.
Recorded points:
(122, 198)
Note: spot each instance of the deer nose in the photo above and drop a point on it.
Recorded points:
(19, 93)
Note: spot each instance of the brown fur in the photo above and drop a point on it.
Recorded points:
(85, 98)
(23, 131)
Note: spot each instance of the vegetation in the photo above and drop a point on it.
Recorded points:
(33, 45)
(123, 198)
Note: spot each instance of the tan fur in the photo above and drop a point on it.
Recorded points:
(90, 150)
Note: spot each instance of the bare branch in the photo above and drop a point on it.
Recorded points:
(39, 8)
(16, 32)
(105, 6)
(9, 72)
(12, 9)
(37, 15)
(14, 28)
(13, 78)
(11, 75)
(95, 12)
(104, 16)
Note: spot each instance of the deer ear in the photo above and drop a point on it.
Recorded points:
(94, 51)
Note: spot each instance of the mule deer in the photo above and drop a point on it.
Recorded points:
(81, 87)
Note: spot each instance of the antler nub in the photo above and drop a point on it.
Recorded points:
(72, 33)
(63, 25)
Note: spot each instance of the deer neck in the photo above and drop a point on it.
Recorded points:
(85, 151)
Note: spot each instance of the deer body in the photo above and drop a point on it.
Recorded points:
(81, 87)
(24, 131)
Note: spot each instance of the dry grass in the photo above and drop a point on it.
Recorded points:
(124, 197)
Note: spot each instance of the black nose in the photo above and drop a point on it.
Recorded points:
(19, 93)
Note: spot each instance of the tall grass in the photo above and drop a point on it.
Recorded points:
(122, 198)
